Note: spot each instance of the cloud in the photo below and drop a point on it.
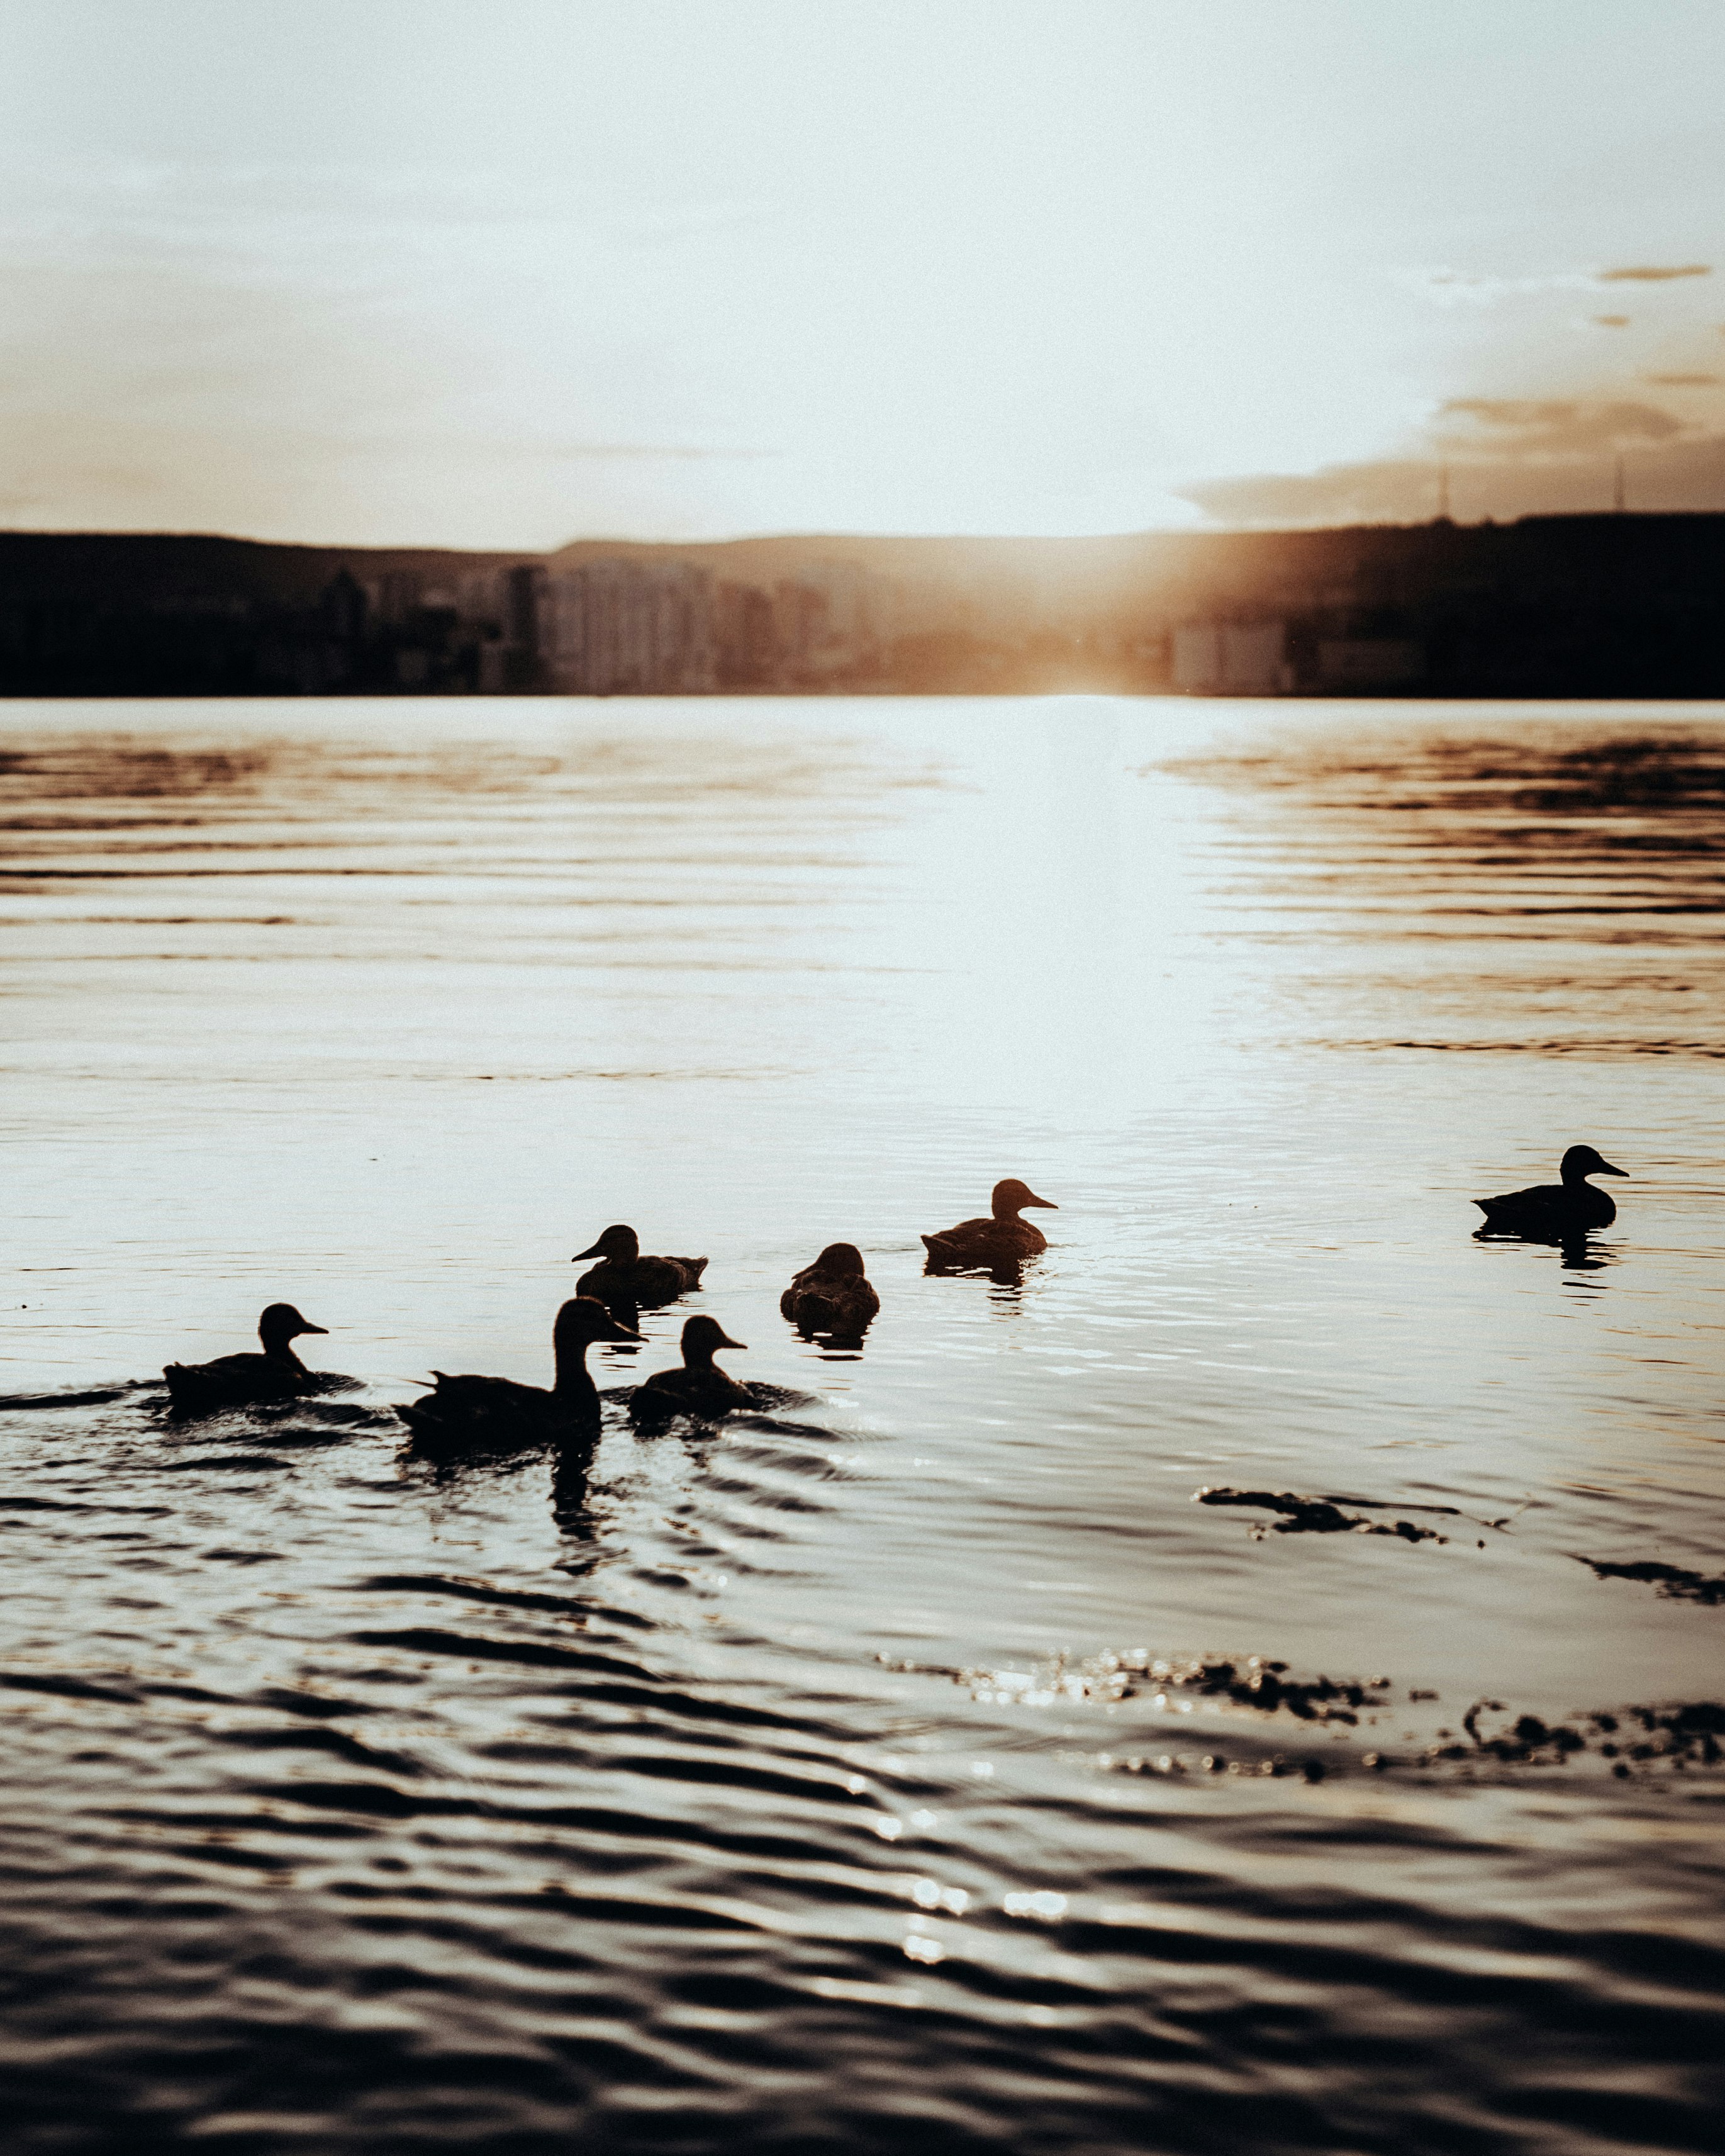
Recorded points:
(1612, 321)
(555, 451)
(1541, 430)
(1683, 381)
(1652, 274)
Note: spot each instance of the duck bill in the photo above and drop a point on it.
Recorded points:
(619, 1330)
(1605, 1167)
(324, 1329)
(1047, 1203)
(728, 1342)
(595, 1252)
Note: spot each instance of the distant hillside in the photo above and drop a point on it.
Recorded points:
(1561, 606)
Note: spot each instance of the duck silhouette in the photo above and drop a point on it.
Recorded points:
(1554, 1212)
(833, 1294)
(699, 1388)
(625, 1281)
(490, 1415)
(1001, 1239)
(236, 1381)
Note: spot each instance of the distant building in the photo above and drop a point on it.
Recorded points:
(616, 627)
(745, 637)
(1368, 662)
(1232, 659)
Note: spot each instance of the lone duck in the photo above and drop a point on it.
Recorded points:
(1554, 1212)
(1003, 1239)
(625, 1281)
(699, 1388)
(236, 1381)
(490, 1415)
(833, 1295)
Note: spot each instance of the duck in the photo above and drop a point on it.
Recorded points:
(1555, 1212)
(625, 1278)
(1003, 1239)
(236, 1381)
(833, 1295)
(699, 1388)
(489, 1415)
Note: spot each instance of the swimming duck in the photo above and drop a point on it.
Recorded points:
(236, 1381)
(486, 1415)
(1001, 1239)
(625, 1278)
(833, 1295)
(699, 1388)
(1555, 1212)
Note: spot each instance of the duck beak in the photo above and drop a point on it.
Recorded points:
(325, 1329)
(726, 1341)
(1605, 1167)
(595, 1252)
(620, 1330)
(1048, 1202)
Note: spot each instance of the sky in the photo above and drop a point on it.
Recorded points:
(507, 273)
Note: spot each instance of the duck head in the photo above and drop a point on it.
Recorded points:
(1010, 1196)
(839, 1261)
(584, 1319)
(702, 1339)
(621, 1244)
(1581, 1162)
(280, 1324)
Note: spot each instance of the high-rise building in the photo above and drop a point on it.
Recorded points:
(613, 626)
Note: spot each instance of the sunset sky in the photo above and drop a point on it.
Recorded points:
(509, 272)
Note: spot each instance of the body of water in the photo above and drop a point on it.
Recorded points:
(916, 1766)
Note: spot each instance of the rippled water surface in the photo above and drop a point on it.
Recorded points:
(891, 1770)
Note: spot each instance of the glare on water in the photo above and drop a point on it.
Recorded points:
(888, 1768)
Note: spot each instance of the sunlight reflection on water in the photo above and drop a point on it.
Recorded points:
(890, 1766)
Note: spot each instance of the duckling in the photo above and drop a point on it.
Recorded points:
(1001, 1239)
(236, 1381)
(833, 1295)
(625, 1278)
(1554, 1212)
(699, 1388)
(489, 1415)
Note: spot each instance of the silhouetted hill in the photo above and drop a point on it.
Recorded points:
(1566, 606)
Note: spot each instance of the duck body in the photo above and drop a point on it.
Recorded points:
(833, 1294)
(625, 1281)
(1003, 1239)
(237, 1381)
(1555, 1212)
(699, 1388)
(468, 1414)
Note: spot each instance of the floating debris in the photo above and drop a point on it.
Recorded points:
(1674, 1583)
(1324, 1516)
(1630, 1738)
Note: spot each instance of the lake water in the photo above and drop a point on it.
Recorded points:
(883, 1773)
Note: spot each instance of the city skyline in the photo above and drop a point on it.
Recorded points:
(518, 275)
